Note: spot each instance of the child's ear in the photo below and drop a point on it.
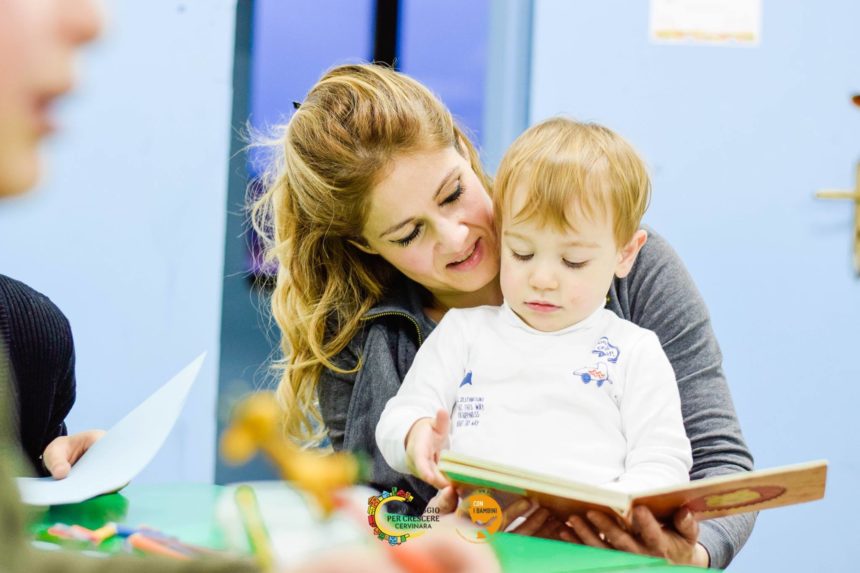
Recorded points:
(627, 254)
(362, 246)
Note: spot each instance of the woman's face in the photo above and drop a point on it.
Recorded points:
(38, 41)
(431, 218)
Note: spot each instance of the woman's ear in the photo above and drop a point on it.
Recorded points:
(628, 253)
(362, 246)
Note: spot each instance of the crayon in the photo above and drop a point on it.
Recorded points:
(124, 531)
(104, 532)
(153, 547)
(83, 532)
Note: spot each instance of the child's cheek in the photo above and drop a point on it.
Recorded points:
(508, 279)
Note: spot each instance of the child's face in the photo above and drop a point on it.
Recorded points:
(554, 279)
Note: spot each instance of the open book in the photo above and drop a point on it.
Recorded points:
(706, 498)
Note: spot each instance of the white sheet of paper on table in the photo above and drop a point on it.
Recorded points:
(123, 451)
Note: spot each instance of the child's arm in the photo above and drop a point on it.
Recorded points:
(658, 451)
(413, 415)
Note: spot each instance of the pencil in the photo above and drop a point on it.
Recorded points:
(255, 527)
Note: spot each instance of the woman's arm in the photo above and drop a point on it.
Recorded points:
(660, 295)
(41, 354)
(351, 404)
(334, 392)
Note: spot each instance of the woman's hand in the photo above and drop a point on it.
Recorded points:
(537, 522)
(62, 453)
(424, 443)
(647, 536)
(445, 501)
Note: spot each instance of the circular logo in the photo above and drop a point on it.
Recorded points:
(395, 528)
(485, 512)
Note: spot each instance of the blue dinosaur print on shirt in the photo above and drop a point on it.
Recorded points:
(599, 373)
(467, 379)
(604, 348)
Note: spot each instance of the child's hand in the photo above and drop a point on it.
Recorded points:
(424, 442)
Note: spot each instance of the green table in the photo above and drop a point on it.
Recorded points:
(187, 511)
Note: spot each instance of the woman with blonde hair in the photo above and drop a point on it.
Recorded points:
(378, 214)
(38, 43)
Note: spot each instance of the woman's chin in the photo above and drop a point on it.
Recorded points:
(19, 172)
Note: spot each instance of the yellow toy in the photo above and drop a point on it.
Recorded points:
(256, 426)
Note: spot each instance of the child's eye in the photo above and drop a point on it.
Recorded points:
(410, 237)
(452, 198)
(520, 257)
(573, 265)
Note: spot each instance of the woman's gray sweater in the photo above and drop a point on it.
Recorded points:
(658, 294)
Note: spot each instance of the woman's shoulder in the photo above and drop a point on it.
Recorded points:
(657, 249)
(37, 336)
(617, 328)
(19, 301)
(658, 268)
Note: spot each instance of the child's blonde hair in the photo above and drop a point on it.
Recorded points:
(570, 170)
(353, 123)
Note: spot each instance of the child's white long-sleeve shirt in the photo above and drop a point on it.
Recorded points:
(596, 402)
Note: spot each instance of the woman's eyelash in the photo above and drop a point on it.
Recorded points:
(455, 195)
(410, 237)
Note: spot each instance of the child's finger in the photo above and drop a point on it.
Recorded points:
(424, 465)
(439, 479)
(442, 422)
(429, 471)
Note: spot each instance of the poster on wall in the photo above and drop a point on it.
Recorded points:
(706, 22)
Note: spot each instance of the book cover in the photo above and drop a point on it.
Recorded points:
(706, 498)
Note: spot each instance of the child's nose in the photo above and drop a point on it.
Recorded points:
(543, 279)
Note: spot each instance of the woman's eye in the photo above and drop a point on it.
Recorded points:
(521, 257)
(454, 196)
(410, 237)
(574, 265)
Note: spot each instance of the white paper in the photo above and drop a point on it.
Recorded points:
(123, 452)
(715, 22)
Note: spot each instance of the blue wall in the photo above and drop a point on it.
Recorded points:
(444, 45)
(126, 234)
(294, 44)
(738, 139)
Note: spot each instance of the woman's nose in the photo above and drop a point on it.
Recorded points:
(81, 20)
(453, 236)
